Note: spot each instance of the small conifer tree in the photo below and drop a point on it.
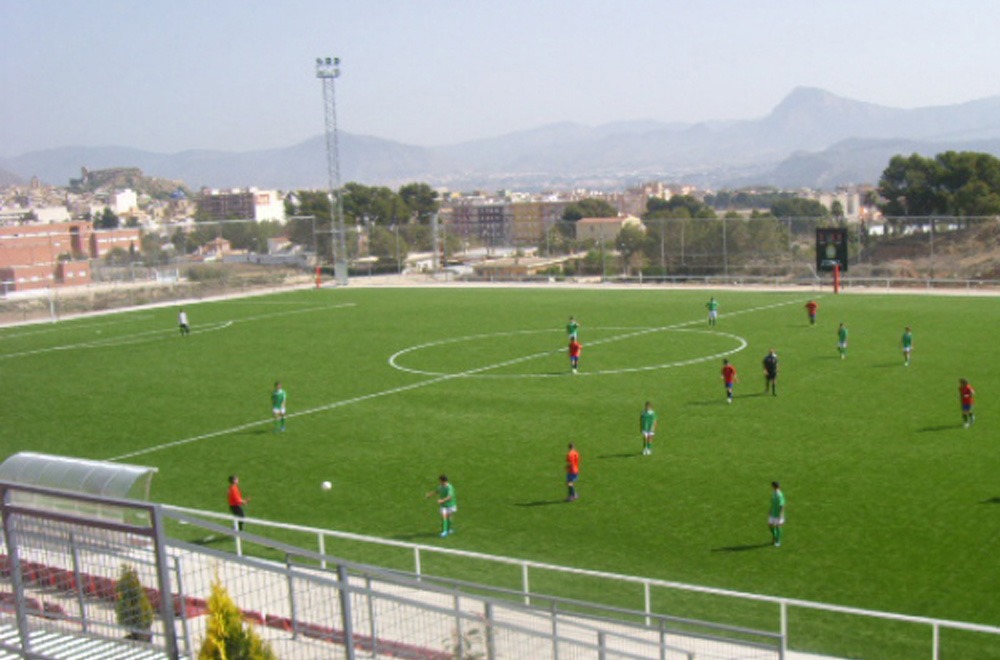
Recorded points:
(227, 637)
(132, 607)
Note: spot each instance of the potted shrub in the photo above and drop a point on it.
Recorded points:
(132, 607)
(227, 635)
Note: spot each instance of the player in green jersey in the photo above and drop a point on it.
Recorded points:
(842, 341)
(647, 426)
(573, 328)
(713, 310)
(445, 493)
(278, 398)
(776, 516)
(907, 343)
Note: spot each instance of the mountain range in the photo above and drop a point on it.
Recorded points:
(811, 139)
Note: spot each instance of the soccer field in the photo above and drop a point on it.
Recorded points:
(891, 504)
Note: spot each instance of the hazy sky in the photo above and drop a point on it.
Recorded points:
(172, 75)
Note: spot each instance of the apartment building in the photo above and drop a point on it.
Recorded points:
(238, 204)
(30, 255)
(604, 229)
(103, 241)
(503, 222)
(39, 256)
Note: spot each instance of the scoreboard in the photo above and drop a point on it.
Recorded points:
(831, 248)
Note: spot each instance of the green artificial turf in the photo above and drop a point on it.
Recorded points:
(891, 504)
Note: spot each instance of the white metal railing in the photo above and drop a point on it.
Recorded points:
(783, 604)
(908, 284)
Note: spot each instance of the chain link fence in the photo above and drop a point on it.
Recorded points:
(938, 252)
(70, 581)
(114, 288)
(72, 585)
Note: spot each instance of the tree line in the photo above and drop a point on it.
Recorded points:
(677, 233)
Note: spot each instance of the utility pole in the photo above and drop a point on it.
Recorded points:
(327, 70)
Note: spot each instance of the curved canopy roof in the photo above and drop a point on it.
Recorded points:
(79, 475)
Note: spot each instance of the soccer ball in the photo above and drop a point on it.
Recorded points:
(326, 485)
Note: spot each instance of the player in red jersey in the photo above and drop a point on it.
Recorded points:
(728, 377)
(811, 308)
(236, 499)
(574, 354)
(968, 397)
(572, 472)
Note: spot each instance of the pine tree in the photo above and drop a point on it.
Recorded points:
(132, 607)
(227, 637)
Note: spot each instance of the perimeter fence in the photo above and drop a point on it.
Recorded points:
(932, 253)
(71, 582)
(119, 288)
(78, 586)
(680, 611)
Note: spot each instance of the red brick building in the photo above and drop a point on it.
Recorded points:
(40, 256)
(103, 241)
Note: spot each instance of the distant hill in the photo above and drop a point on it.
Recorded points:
(858, 161)
(126, 177)
(812, 138)
(10, 179)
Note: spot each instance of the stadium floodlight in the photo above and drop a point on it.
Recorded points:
(328, 70)
(327, 67)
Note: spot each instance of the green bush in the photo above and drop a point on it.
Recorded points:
(132, 607)
(226, 636)
(205, 274)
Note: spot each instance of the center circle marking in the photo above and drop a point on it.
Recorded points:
(741, 343)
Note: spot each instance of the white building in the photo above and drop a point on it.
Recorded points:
(250, 204)
(123, 202)
(50, 214)
(850, 201)
(268, 205)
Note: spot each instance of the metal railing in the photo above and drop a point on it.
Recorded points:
(647, 585)
(404, 615)
(90, 573)
(65, 571)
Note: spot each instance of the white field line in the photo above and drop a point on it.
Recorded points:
(304, 310)
(741, 343)
(244, 301)
(153, 335)
(403, 388)
(61, 327)
(114, 342)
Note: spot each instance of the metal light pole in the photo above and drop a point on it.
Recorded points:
(399, 269)
(725, 250)
(663, 248)
(327, 70)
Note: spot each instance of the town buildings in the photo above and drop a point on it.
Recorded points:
(604, 230)
(40, 256)
(239, 204)
(47, 228)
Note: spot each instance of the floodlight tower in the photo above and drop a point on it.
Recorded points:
(327, 70)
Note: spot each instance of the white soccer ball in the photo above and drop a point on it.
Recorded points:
(326, 485)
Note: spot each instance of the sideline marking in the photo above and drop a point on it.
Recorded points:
(376, 395)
